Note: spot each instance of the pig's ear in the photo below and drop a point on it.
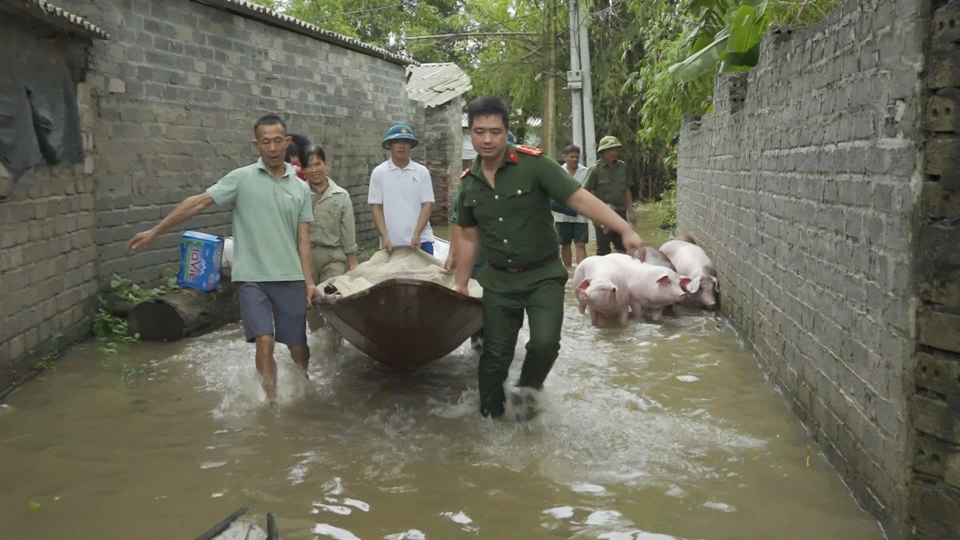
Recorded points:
(716, 283)
(664, 279)
(684, 281)
(693, 286)
(583, 285)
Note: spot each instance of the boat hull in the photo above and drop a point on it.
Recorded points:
(404, 323)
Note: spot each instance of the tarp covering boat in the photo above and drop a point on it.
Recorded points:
(401, 309)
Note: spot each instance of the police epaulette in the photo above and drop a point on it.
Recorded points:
(530, 150)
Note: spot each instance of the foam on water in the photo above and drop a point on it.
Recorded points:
(412, 534)
(334, 532)
(614, 415)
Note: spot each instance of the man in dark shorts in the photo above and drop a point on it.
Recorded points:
(272, 212)
(572, 229)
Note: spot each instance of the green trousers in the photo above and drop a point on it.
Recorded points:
(502, 320)
(604, 239)
(328, 262)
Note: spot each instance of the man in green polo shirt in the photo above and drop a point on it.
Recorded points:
(272, 212)
(609, 182)
(504, 199)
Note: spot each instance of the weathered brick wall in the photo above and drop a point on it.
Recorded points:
(179, 87)
(935, 499)
(802, 186)
(442, 141)
(168, 107)
(48, 277)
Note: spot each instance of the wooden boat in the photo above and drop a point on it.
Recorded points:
(404, 323)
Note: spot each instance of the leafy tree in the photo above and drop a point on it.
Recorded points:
(651, 61)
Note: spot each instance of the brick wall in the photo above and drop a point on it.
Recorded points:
(802, 187)
(935, 499)
(169, 103)
(442, 141)
(179, 89)
(48, 275)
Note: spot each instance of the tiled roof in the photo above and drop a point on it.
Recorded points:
(436, 84)
(269, 16)
(54, 16)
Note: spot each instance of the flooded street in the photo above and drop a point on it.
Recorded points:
(666, 428)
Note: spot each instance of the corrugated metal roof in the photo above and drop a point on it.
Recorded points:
(54, 16)
(532, 121)
(269, 16)
(436, 84)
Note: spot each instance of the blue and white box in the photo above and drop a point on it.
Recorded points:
(200, 261)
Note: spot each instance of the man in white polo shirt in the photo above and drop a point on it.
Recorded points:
(401, 193)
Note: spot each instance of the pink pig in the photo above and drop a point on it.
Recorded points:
(651, 287)
(600, 285)
(692, 261)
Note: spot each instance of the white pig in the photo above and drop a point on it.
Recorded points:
(693, 262)
(652, 287)
(600, 285)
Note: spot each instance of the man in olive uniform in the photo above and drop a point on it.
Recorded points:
(608, 181)
(505, 199)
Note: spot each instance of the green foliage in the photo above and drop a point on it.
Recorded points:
(469, 34)
(666, 209)
(634, 44)
(112, 329)
(735, 46)
(128, 291)
(685, 40)
(53, 353)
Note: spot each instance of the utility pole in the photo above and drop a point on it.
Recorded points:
(589, 131)
(578, 79)
(574, 78)
(549, 126)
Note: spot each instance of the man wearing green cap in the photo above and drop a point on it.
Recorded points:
(504, 199)
(608, 181)
(401, 193)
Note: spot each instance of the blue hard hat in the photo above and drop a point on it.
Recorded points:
(511, 138)
(399, 132)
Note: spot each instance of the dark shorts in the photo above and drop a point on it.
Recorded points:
(573, 232)
(267, 305)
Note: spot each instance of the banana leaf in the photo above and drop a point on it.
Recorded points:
(703, 61)
(747, 29)
(743, 59)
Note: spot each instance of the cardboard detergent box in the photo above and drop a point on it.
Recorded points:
(200, 261)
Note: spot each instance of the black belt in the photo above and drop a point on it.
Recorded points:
(532, 266)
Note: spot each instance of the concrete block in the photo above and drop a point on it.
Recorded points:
(938, 328)
(938, 371)
(946, 28)
(935, 417)
(944, 70)
(943, 111)
(117, 86)
(937, 203)
(942, 161)
(934, 510)
(938, 264)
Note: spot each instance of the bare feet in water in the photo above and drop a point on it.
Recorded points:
(270, 389)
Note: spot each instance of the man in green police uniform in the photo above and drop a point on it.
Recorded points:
(608, 181)
(504, 199)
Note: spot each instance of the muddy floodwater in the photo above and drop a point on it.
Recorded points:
(659, 429)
